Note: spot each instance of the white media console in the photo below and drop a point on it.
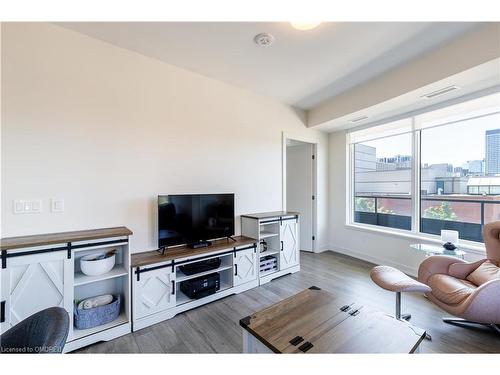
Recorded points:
(43, 271)
(156, 277)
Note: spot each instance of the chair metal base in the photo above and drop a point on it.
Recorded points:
(405, 317)
(460, 321)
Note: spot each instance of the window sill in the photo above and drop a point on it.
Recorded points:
(468, 246)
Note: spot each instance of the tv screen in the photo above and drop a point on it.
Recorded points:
(188, 219)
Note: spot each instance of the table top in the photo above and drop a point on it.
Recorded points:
(437, 250)
(178, 252)
(314, 321)
(269, 215)
(11, 243)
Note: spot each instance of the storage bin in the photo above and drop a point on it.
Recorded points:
(85, 319)
(97, 267)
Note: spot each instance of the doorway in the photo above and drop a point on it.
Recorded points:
(300, 187)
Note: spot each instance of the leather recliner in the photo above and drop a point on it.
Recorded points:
(470, 291)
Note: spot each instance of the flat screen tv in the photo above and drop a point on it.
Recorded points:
(194, 218)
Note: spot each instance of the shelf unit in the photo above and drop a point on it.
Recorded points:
(81, 333)
(279, 231)
(56, 279)
(226, 263)
(157, 278)
(267, 234)
(182, 299)
(82, 279)
(226, 278)
(115, 282)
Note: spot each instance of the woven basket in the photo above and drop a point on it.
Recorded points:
(90, 318)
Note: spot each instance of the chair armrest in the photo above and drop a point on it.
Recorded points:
(483, 305)
(436, 264)
(462, 270)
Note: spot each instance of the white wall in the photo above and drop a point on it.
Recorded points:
(374, 247)
(108, 129)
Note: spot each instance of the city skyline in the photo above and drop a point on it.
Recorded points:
(454, 144)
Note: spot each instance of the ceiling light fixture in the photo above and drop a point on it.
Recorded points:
(264, 39)
(303, 26)
(440, 92)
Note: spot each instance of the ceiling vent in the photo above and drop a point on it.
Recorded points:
(264, 39)
(440, 92)
(358, 119)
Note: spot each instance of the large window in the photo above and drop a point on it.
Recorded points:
(382, 181)
(454, 183)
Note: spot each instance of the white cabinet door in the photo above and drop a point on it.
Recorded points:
(289, 254)
(31, 283)
(154, 292)
(245, 266)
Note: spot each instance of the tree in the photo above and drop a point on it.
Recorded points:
(441, 212)
(368, 205)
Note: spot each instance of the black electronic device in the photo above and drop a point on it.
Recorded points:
(193, 219)
(449, 246)
(202, 266)
(202, 286)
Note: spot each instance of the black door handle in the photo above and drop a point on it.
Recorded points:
(2, 311)
(173, 287)
(281, 245)
(235, 270)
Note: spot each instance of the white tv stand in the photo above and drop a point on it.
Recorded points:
(156, 276)
(41, 271)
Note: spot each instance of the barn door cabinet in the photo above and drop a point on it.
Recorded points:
(157, 278)
(278, 236)
(43, 271)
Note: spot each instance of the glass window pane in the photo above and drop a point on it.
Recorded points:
(382, 181)
(460, 173)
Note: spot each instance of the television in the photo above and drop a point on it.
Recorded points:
(194, 218)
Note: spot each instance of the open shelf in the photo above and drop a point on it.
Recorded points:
(181, 298)
(265, 273)
(79, 333)
(268, 252)
(117, 271)
(266, 234)
(180, 276)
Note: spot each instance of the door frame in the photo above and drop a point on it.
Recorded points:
(314, 202)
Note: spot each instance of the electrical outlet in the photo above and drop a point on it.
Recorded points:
(57, 205)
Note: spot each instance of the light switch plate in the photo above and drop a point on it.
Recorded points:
(36, 206)
(25, 206)
(57, 205)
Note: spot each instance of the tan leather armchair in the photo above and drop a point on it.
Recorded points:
(470, 291)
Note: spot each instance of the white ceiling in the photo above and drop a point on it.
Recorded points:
(302, 68)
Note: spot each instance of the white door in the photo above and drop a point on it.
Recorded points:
(245, 266)
(31, 283)
(154, 292)
(300, 189)
(289, 252)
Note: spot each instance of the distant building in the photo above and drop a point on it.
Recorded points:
(475, 166)
(492, 152)
(365, 158)
(484, 185)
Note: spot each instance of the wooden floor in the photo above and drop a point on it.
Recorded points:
(214, 328)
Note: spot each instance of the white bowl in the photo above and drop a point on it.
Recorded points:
(96, 267)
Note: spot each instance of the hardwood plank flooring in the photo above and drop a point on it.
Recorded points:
(214, 328)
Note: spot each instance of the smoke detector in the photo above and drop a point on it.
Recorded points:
(264, 39)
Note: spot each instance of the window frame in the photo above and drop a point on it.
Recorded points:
(414, 233)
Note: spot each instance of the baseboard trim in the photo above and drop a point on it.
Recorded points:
(375, 260)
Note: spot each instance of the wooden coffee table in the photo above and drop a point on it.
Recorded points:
(316, 321)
